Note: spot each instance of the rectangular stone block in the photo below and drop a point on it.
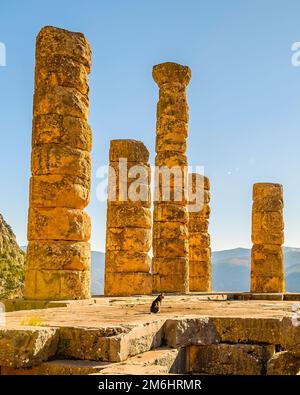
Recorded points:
(170, 248)
(170, 213)
(53, 159)
(58, 224)
(168, 125)
(177, 283)
(178, 109)
(128, 239)
(172, 195)
(59, 191)
(127, 262)
(267, 284)
(199, 239)
(268, 237)
(267, 260)
(63, 71)
(197, 253)
(57, 284)
(171, 159)
(64, 130)
(170, 266)
(60, 100)
(58, 255)
(267, 204)
(267, 221)
(171, 142)
(132, 150)
(122, 284)
(120, 216)
(198, 226)
(264, 189)
(228, 359)
(199, 212)
(52, 40)
(200, 284)
(168, 230)
(200, 268)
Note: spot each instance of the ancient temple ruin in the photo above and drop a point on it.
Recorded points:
(128, 233)
(267, 268)
(170, 266)
(199, 238)
(58, 254)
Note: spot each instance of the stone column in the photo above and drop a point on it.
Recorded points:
(267, 269)
(170, 227)
(128, 231)
(58, 253)
(199, 238)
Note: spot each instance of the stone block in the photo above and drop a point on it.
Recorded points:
(120, 216)
(128, 239)
(128, 284)
(170, 247)
(228, 359)
(127, 261)
(197, 253)
(199, 239)
(58, 255)
(63, 71)
(132, 150)
(60, 100)
(57, 284)
(58, 224)
(200, 268)
(267, 284)
(53, 159)
(200, 284)
(164, 212)
(265, 189)
(59, 191)
(168, 230)
(64, 130)
(52, 40)
(27, 346)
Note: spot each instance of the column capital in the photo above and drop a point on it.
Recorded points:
(170, 72)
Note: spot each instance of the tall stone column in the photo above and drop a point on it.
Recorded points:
(199, 238)
(58, 253)
(128, 231)
(170, 267)
(267, 268)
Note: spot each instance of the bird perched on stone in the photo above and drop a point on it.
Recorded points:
(155, 307)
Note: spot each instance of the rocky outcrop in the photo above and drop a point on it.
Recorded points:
(12, 263)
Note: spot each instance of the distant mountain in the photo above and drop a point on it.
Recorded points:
(230, 270)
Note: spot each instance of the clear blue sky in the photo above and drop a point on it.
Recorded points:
(244, 96)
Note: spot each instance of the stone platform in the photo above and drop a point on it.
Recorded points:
(118, 335)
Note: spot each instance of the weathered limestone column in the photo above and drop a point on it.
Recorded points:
(128, 232)
(199, 238)
(170, 267)
(267, 268)
(58, 253)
